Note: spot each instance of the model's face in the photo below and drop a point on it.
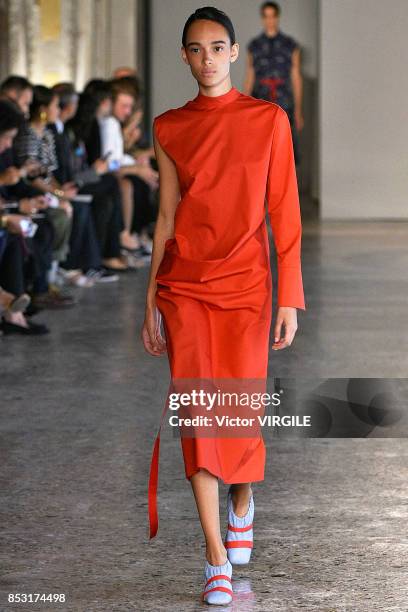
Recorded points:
(208, 51)
(6, 139)
(270, 19)
(123, 107)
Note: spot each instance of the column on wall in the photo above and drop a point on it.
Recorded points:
(71, 40)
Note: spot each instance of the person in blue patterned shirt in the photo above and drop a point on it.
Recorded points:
(273, 70)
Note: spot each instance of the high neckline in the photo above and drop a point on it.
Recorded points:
(216, 101)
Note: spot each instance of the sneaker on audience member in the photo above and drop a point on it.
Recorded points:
(63, 276)
(77, 279)
(139, 258)
(102, 276)
(146, 243)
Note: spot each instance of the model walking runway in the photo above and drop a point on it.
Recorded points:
(214, 282)
(225, 160)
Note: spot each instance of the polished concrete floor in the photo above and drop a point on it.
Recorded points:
(79, 412)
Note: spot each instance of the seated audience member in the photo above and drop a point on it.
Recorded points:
(13, 299)
(138, 178)
(83, 265)
(131, 130)
(135, 140)
(30, 201)
(95, 104)
(35, 142)
(92, 180)
(19, 91)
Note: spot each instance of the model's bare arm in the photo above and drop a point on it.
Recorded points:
(297, 87)
(249, 76)
(168, 200)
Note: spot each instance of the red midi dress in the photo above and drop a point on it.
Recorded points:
(234, 159)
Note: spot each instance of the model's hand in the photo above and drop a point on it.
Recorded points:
(286, 316)
(153, 341)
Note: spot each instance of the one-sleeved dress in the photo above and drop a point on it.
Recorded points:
(234, 159)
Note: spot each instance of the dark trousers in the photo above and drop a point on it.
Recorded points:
(144, 212)
(12, 263)
(40, 256)
(84, 252)
(107, 213)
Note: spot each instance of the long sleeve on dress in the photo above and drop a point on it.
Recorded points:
(284, 213)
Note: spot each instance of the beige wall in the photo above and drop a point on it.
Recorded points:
(75, 41)
(363, 109)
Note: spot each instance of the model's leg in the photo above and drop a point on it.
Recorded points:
(240, 495)
(218, 569)
(205, 489)
(240, 534)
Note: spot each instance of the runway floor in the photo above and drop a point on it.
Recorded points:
(80, 409)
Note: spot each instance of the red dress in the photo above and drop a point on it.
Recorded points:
(234, 159)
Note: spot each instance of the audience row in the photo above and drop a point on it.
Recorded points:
(78, 193)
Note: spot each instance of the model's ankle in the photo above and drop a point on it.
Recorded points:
(216, 556)
(240, 501)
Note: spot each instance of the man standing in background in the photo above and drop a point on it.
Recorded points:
(273, 70)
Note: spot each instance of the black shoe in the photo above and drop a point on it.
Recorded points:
(33, 329)
(32, 310)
